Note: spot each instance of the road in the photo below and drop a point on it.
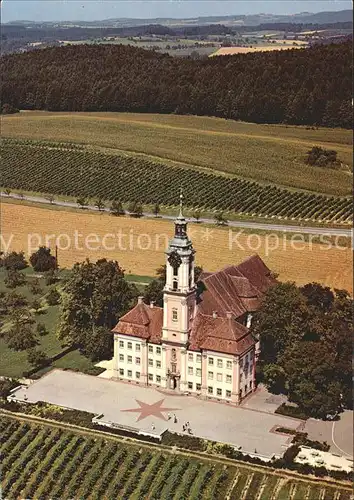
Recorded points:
(239, 224)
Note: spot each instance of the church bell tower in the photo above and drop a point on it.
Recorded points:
(180, 290)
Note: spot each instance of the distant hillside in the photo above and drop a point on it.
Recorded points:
(233, 20)
(310, 86)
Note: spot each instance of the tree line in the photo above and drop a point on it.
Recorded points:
(303, 86)
(305, 338)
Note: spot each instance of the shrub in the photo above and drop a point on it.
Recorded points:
(34, 286)
(6, 386)
(36, 358)
(36, 305)
(301, 439)
(322, 157)
(14, 278)
(187, 442)
(53, 297)
(41, 330)
(15, 301)
(15, 260)
(291, 411)
(117, 208)
(51, 277)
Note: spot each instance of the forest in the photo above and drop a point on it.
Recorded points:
(305, 87)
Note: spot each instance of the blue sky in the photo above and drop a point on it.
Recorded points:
(62, 10)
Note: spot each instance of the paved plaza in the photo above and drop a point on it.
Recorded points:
(338, 434)
(146, 410)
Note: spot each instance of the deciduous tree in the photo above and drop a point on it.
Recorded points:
(94, 297)
(117, 208)
(42, 260)
(36, 358)
(14, 260)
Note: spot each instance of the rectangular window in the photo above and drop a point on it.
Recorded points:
(211, 361)
(250, 385)
(190, 386)
(137, 347)
(130, 373)
(151, 377)
(198, 372)
(245, 388)
(151, 348)
(174, 314)
(210, 375)
(158, 379)
(228, 394)
(190, 370)
(219, 363)
(228, 379)
(130, 359)
(219, 377)
(121, 357)
(241, 363)
(121, 372)
(151, 362)
(210, 390)
(158, 364)
(199, 358)
(240, 377)
(121, 343)
(229, 365)
(218, 392)
(129, 345)
(137, 374)
(190, 356)
(158, 350)
(137, 361)
(198, 387)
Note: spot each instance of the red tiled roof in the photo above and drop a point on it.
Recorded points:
(257, 273)
(220, 334)
(142, 321)
(234, 289)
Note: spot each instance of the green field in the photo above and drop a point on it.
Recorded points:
(41, 461)
(263, 153)
(74, 170)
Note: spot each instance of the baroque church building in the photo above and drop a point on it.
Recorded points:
(199, 342)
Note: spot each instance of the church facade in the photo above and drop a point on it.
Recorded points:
(199, 342)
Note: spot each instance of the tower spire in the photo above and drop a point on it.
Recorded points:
(180, 204)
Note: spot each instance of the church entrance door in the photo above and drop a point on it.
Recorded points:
(173, 382)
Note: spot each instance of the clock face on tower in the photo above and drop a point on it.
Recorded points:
(174, 260)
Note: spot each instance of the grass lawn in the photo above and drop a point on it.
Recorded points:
(73, 360)
(265, 153)
(14, 363)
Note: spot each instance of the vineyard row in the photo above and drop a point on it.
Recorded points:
(44, 462)
(74, 171)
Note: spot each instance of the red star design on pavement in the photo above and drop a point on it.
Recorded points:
(154, 410)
